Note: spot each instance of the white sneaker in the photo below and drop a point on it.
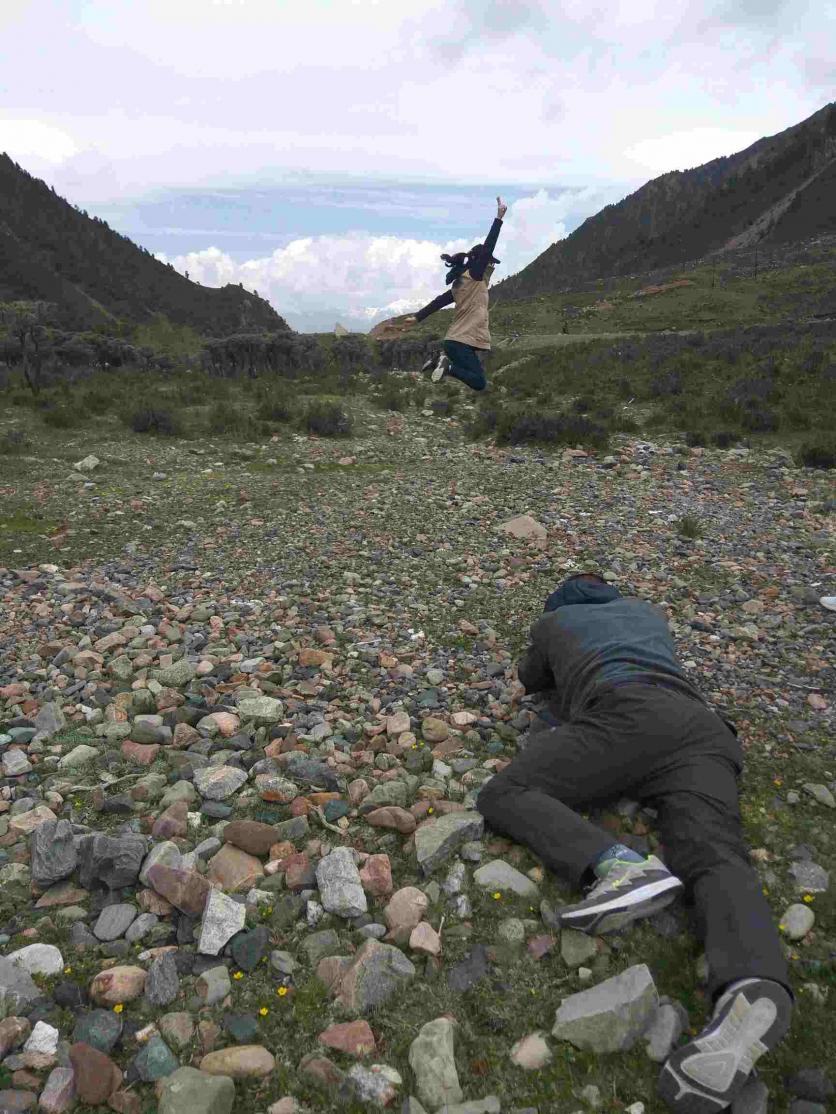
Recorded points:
(440, 369)
(829, 602)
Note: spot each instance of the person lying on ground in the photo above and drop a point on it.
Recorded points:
(624, 720)
(468, 276)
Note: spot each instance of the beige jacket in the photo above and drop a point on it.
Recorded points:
(470, 321)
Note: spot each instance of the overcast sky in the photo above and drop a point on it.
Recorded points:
(325, 151)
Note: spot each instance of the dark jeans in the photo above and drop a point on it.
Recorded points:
(670, 752)
(465, 364)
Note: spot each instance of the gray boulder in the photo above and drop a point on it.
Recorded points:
(53, 852)
(611, 1016)
(113, 861)
(437, 841)
(340, 888)
(188, 1089)
(18, 993)
(432, 1059)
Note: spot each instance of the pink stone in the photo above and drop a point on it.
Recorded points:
(172, 822)
(376, 875)
(353, 1037)
(390, 816)
(234, 869)
(117, 985)
(405, 910)
(143, 754)
(425, 939)
(58, 1094)
(358, 790)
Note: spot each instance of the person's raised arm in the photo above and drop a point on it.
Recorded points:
(445, 299)
(477, 270)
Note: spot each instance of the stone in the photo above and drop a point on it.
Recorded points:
(376, 971)
(611, 1016)
(114, 921)
(58, 1094)
(216, 783)
(396, 819)
(438, 840)
(38, 959)
(406, 907)
(177, 675)
(14, 763)
(96, 1075)
(809, 877)
(435, 730)
(425, 939)
(797, 921)
(260, 710)
(18, 994)
(375, 1085)
(812, 1084)
(432, 1059)
(13, 1032)
(501, 876)
(26, 822)
(577, 947)
(355, 1038)
(16, 1102)
(117, 985)
(87, 464)
(141, 927)
(222, 918)
(99, 1028)
(163, 984)
(177, 1029)
(665, 1028)
(234, 869)
(490, 1104)
(81, 755)
(185, 889)
(49, 720)
(164, 854)
(53, 853)
(155, 1061)
(188, 1089)
(340, 889)
(376, 875)
(820, 793)
(250, 836)
(470, 970)
(532, 1052)
(319, 1070)
(112, 861)
(524, 527)
(172, 822)
(213, 985)
(43, 1039)
(753, 1099)
(243, 1061)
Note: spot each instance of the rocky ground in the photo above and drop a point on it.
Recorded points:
(247, 698)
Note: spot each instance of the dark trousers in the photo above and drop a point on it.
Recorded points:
(668, 751)
(465, 364)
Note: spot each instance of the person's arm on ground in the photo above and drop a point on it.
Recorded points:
(477, 270)
(534, 671)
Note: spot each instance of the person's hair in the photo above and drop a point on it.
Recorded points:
(459, 262)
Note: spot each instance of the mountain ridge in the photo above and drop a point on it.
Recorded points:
(780, 188)
(51, 251)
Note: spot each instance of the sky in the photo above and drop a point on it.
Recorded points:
(324, 152)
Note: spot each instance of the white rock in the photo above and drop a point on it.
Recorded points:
(87, 464)
(38, 959)
(43, 1038)
(223, 917)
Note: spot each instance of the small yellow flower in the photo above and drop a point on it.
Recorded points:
(497, 895)
(118, 1007)
(777, 781)
(282, 991)
(238, 975)
(765, 892)
(68, 970)
(807, 899)
(782, 928)
(430, 811)
(263, 1011)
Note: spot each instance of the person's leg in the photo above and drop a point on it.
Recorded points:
(700, 830)
(699, 822)
(465, 364)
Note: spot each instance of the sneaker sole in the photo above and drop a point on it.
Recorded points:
(437, 375)
(617, 912)
(706, 1075)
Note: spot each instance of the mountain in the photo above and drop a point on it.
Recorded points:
(52, 252)
(781, 188)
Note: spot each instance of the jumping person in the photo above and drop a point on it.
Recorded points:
(468, 276)
(624, 720)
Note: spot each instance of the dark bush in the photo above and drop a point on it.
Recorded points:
(13, 442)
(818, 454)
(277, 410)
(663, 386)
(759, 419)
(326, 419)
(442, 407)
(694, 439)
(582, 405)
(62, 417)
(723, 439)
(154, 419)
(391, 398)
(520, 427)
(224, 420)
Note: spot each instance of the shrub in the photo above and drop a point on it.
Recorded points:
(225, 420)
(326, 419)
(759, 419)
(689, 526)
(442, 407)
(62, 417)
(13, 442)
(723, 439)
(818, 454)
(521, 427)
(391, 398)
(277, 410)
(694, 439)
(154, 419)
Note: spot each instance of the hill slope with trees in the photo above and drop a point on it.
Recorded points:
(53, 252)
(781, 188)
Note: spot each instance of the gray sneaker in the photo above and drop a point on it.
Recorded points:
(706, 1075)
(440, 369)
(629, 891)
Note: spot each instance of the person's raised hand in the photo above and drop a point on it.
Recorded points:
(501, 208)
(392, 327)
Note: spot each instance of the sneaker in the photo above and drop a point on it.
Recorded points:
(427, 364)
(627, 892)
(706, 1074)
(440, 369)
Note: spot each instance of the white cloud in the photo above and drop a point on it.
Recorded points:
(686, 149)
(360, 279)
(33, 141)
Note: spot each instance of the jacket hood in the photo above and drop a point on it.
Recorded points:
(576, 591)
